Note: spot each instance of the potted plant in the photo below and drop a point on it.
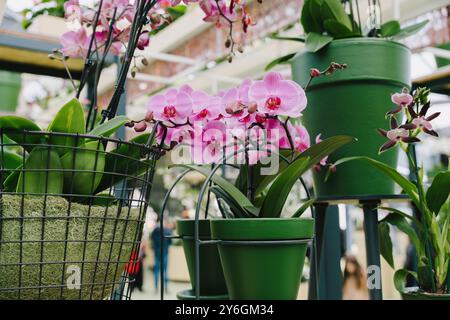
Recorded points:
(351, 103)
(428, 231)
(253, 126)
(61, 208)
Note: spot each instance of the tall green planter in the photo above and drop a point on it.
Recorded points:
(262, 271)
(354, 102)
(10, 85)
(212, 282)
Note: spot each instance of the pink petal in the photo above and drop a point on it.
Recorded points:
(272, 80)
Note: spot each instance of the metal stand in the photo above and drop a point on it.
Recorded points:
(321, 274)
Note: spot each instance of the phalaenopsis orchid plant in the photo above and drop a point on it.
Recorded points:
(255, 127)
(119, 27)
(429, 229)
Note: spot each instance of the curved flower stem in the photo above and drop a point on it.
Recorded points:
(231, 23)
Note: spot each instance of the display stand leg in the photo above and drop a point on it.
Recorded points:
(319, 215)
(372, 249)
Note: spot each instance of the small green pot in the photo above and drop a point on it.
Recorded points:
(10, 85)
(258, 271)
(354, 102)
(415, 294)
(212, 282)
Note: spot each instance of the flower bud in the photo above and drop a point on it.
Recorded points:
(140, 127)
(252, 108)
(228, 42)
(155, 18)
(144, 61)
(315, 73)
(149, 116)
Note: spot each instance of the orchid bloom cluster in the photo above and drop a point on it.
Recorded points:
(254, 116)
(415, 107)
(114, 18)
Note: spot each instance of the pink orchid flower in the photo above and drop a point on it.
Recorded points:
(276, 96)
(173, 106)
(205, 107)
(72, 10)
(235, 102)
(300, 138)
(75, 44)
(212, 12)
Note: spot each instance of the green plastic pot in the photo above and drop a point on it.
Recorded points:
(354, 102)
(212, 282)
(262, 271)
(415, 294)
(10, 85)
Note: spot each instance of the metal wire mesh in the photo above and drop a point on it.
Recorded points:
(71, 214)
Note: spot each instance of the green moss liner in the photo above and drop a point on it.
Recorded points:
(100, 237)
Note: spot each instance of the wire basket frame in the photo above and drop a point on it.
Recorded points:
(71, 214)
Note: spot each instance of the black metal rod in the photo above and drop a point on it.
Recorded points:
(372, 245)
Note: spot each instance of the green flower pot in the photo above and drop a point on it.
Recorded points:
(354, 102)
(259, 271)
(415, 294)
(212, 282)
(10, 85)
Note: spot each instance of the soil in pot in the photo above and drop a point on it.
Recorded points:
(212, 281)
(354, 102)
(107, 235)
(262, 271)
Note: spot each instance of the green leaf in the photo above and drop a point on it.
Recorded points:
(11, 181)
(316, 41)
(296, 39)
(10, 161)
(281, 187)
(425, 274)
(124, 161)
(69, 119)
(311, 16)
(400, 279)
(236, 209)
(408, 187)
(238, 197)
(438, 192)
(282, 60)
(333, 10)
(110, 127)
(390, 29)
(43, 173)
(410, 31)
(83, 168)
(21, 124)
(303, 208)
(402, 224)
(338, 30)
(386, 243)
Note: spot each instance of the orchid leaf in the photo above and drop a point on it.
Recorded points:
(333, 10)
(386, 243)
(69, 119)
(311, 16)
(236, 209)
(438, 192)
(400, 279)
(110, 127)
(316, 41)
(282, 185)
(410, 31)
(42, 173)
(303, 208)
(282, 60)
(233, 192)
(390, 29)
(14, 123)
(408, 187)
(338, 30)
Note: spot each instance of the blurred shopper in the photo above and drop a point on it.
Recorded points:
(355, 283)
(135, 269)
(155, 238)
